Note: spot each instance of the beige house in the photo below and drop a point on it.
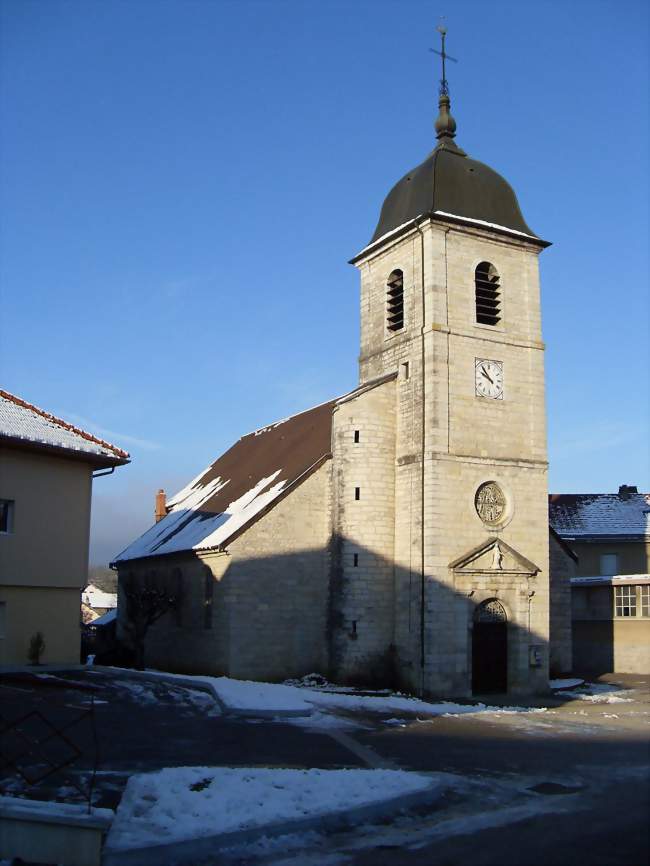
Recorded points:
(610, 592)
(46, 471)
(398, 533)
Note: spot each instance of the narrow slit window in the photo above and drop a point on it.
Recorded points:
(208, 598)
(355, 560)
(357, 493)
(395, 301)
(488, 295)
(356, 436)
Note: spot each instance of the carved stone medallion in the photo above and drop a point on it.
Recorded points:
(490, 503)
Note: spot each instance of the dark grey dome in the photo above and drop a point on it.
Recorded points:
(449, 181)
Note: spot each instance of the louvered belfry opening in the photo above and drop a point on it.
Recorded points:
(395, 301)
(488, 296)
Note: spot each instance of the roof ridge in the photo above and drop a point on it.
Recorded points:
(288, 418)
(65, 424)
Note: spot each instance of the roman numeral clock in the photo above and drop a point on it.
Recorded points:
(488, 378)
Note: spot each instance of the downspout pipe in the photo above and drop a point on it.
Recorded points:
(422, 464)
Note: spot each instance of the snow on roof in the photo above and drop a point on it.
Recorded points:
(591, 515)
(239, 485)
(21, 421)
(249, 478)
(93, 596)
(486, 225)
(607, 580)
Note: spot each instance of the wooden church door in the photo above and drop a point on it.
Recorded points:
(490, 648)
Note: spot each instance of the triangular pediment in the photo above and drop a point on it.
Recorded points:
(493, 557)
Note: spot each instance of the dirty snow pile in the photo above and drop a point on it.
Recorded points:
(247, 698)
(258, 699)
(598, 693)
(402, 703)
(189, 802)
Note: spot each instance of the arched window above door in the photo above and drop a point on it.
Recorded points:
(490, 611)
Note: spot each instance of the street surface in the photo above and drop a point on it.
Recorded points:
(564, 786)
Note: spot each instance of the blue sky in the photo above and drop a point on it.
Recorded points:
(183, 182)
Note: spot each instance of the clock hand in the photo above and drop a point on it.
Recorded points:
(487, 376)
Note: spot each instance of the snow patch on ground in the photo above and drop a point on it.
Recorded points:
(399, 703)
(246, 695)
(565, 684)
(603, 699)
(598, 693)
(324, 721)
(270, 699)
(189, 802)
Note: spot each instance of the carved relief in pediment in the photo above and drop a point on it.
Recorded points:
(494, 557)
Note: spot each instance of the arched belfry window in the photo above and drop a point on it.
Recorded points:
(395, 301)
(488, 296)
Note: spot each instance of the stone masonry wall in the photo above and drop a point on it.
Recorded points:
(259, 610)
(187, 640)
(362, 600)
(562, 568)
(277, 586)
(461, 440)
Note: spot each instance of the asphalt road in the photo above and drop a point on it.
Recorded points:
(558, 788)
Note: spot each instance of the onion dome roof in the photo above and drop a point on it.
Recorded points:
(449, 183)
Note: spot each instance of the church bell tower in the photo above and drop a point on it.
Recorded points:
(450, 302)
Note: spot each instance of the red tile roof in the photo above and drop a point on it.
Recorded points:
(23, 423)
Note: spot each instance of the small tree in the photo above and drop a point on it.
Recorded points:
(146, 600)
(36, 648)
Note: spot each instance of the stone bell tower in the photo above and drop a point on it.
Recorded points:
(450, 301)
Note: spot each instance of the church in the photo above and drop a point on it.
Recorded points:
(398, 534)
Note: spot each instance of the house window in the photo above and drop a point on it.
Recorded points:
(488, 296)
(395, 301)
(208, 597)
(625, 600)
(609, 563)
(644, 598)
(6, 515)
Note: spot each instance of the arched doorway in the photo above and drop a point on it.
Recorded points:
(490, 648)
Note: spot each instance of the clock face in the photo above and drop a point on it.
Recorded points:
(489, 378)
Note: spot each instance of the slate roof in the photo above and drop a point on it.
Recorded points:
(242, 484)
(24, 424)
(239, 485)
(590, 516)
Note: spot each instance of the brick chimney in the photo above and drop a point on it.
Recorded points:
(626, 490)
(161, 505)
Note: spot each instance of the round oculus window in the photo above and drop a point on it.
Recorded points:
(490, 503)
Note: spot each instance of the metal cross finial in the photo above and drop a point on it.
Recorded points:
(444, 85)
